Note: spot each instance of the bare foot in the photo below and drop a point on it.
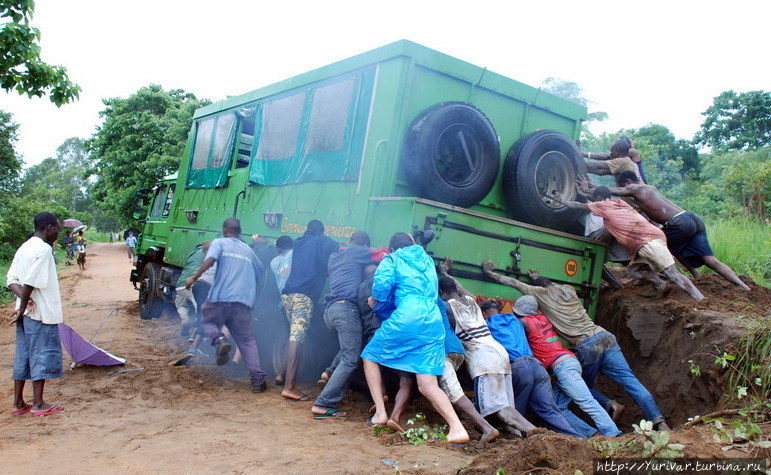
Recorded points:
(490, 435)
(379, 419)
(459, 437)
(294, 395)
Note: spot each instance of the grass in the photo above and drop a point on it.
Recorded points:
(743, 245)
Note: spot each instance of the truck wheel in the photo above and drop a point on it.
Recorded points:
(451, 154)
(539, 166)
(150, 305)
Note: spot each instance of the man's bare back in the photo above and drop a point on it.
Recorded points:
(651, 202)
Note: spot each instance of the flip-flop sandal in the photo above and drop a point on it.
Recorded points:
(24, 410)
(394, 426)
(374, 424)
(331, 414)
(51, 410)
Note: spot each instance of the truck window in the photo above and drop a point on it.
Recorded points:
(329, 117)
(159, 201)
(314, 135)
(281, 127)
(169, 199)
(212, 151)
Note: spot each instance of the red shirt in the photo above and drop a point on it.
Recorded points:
(544, 341)
(628, 226)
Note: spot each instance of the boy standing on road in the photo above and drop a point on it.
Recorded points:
(32, 277)
(131, 245)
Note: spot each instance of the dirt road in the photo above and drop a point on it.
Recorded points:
(167, 419)
(204, 419)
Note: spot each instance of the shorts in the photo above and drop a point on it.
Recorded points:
(655, 254)
(299, 311)
(38, 351)
(493, 392)
(622, 164)
(687, 239)
(448, 381)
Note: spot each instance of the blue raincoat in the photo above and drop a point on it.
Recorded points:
(412, 339)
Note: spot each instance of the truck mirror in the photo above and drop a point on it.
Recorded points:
(138, 208)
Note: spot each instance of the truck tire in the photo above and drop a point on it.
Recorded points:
(150, 304)
(539, 165)
(451, 154)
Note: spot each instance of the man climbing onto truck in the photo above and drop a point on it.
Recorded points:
(685, 231)
(643, 241)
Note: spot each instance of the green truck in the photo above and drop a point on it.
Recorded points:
(400, 138)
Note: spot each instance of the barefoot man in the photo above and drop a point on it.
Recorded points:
(32, 277)
(686, 235)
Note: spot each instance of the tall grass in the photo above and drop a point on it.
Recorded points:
(744, 245)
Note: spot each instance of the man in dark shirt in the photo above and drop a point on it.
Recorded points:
(311, 253)
(342, 315)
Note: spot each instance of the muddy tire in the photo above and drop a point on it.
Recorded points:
(451, 154)
(538, 166)
(150, 304)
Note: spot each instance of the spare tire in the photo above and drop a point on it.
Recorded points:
(539, 166)
(451, 154)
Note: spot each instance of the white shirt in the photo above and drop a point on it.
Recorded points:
(34, 265)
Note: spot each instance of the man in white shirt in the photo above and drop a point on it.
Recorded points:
(32, 277)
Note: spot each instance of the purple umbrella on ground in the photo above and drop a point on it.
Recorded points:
(85, 352)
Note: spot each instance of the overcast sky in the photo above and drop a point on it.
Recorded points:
(641, 62)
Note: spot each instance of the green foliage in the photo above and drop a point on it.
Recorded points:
(743, 431)
(10, 162)
(420, 435)
(21, 68)
(656, 444)
(743, 245)
(60, 180)
(142, 138)
(737, 121)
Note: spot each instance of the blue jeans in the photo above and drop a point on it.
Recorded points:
(343, 317)
(532, 391)
(601, 354)
(571, 387)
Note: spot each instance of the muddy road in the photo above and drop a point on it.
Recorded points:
(204, 419)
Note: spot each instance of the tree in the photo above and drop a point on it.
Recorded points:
(573, 92)
(10, 162)
(60, 180)
(142, 137)
(737, 122)
(21, 68)
(657, 143)
(747, 179)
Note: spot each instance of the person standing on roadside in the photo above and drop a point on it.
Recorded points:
(32, 278)
(131, 245)
(231, 298)
(310, 256)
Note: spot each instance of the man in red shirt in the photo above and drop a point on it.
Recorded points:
(645, 242)
(569, 385)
